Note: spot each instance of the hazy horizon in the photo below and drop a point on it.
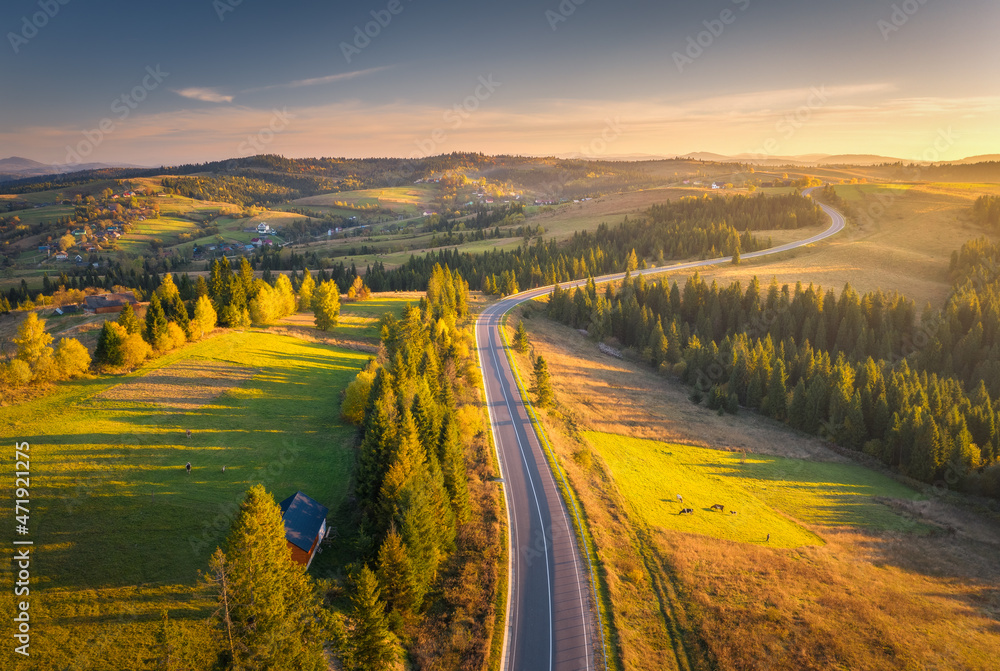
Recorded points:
(213, 80)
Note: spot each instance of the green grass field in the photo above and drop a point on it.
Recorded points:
(120, 529)
(359, 319)
(772, 495)
(410, 199)
(48, 213)
(166, 229)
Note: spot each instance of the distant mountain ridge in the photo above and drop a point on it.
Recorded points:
(810, 160)
(17, 167)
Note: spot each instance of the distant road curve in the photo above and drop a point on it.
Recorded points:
(549, 607)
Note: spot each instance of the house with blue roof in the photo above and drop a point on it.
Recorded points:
(305, 526)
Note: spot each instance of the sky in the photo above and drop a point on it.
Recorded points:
(155, 83)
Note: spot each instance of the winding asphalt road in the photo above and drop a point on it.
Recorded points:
(550, 623)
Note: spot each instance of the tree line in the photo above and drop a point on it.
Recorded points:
(35, 361)
(245, 191)
(986, 212)
(858, 369)
(678, 229)
(413, 405)
(416, 406)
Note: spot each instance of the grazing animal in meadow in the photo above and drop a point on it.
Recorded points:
(686, 511)
(718, 506)
(188, 467)
(189, 433)
(680, 499)
(223, 469)
(732, 512)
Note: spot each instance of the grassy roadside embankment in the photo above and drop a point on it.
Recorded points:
(890, 580)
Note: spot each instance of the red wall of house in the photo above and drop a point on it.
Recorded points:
(298, 554)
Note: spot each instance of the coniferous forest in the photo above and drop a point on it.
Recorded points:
(420, 452)
(917, 393)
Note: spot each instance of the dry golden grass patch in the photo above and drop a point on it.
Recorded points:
(185, 385)
(562, 221)
(864, 600)
(901, 240)
(615, 396)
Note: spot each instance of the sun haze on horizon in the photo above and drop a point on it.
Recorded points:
(116, 82)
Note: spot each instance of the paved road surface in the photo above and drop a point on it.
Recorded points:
(549, 610)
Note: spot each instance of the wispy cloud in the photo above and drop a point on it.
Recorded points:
(866, 118)
(207, 95)
(316, 81)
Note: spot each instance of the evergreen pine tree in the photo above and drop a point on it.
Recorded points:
(181, 318)
(542, 383)
(273, 612)
(155, 332)
(246, 279)
(755, 391)
(453, 467)
(128, 320)
(855, 431)
(395, 573)
(632, 262)
(927, 451)
(797, 410)
(521, 338)
(817, 403)
(200, 287)
(110, 352)
(777, 392)
(375, 453)
(372, 647)
(673, 354)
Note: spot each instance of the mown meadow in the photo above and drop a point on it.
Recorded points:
(121, 530)
(772, 496)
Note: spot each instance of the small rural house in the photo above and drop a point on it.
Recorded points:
(263, 228)
(305, 526)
